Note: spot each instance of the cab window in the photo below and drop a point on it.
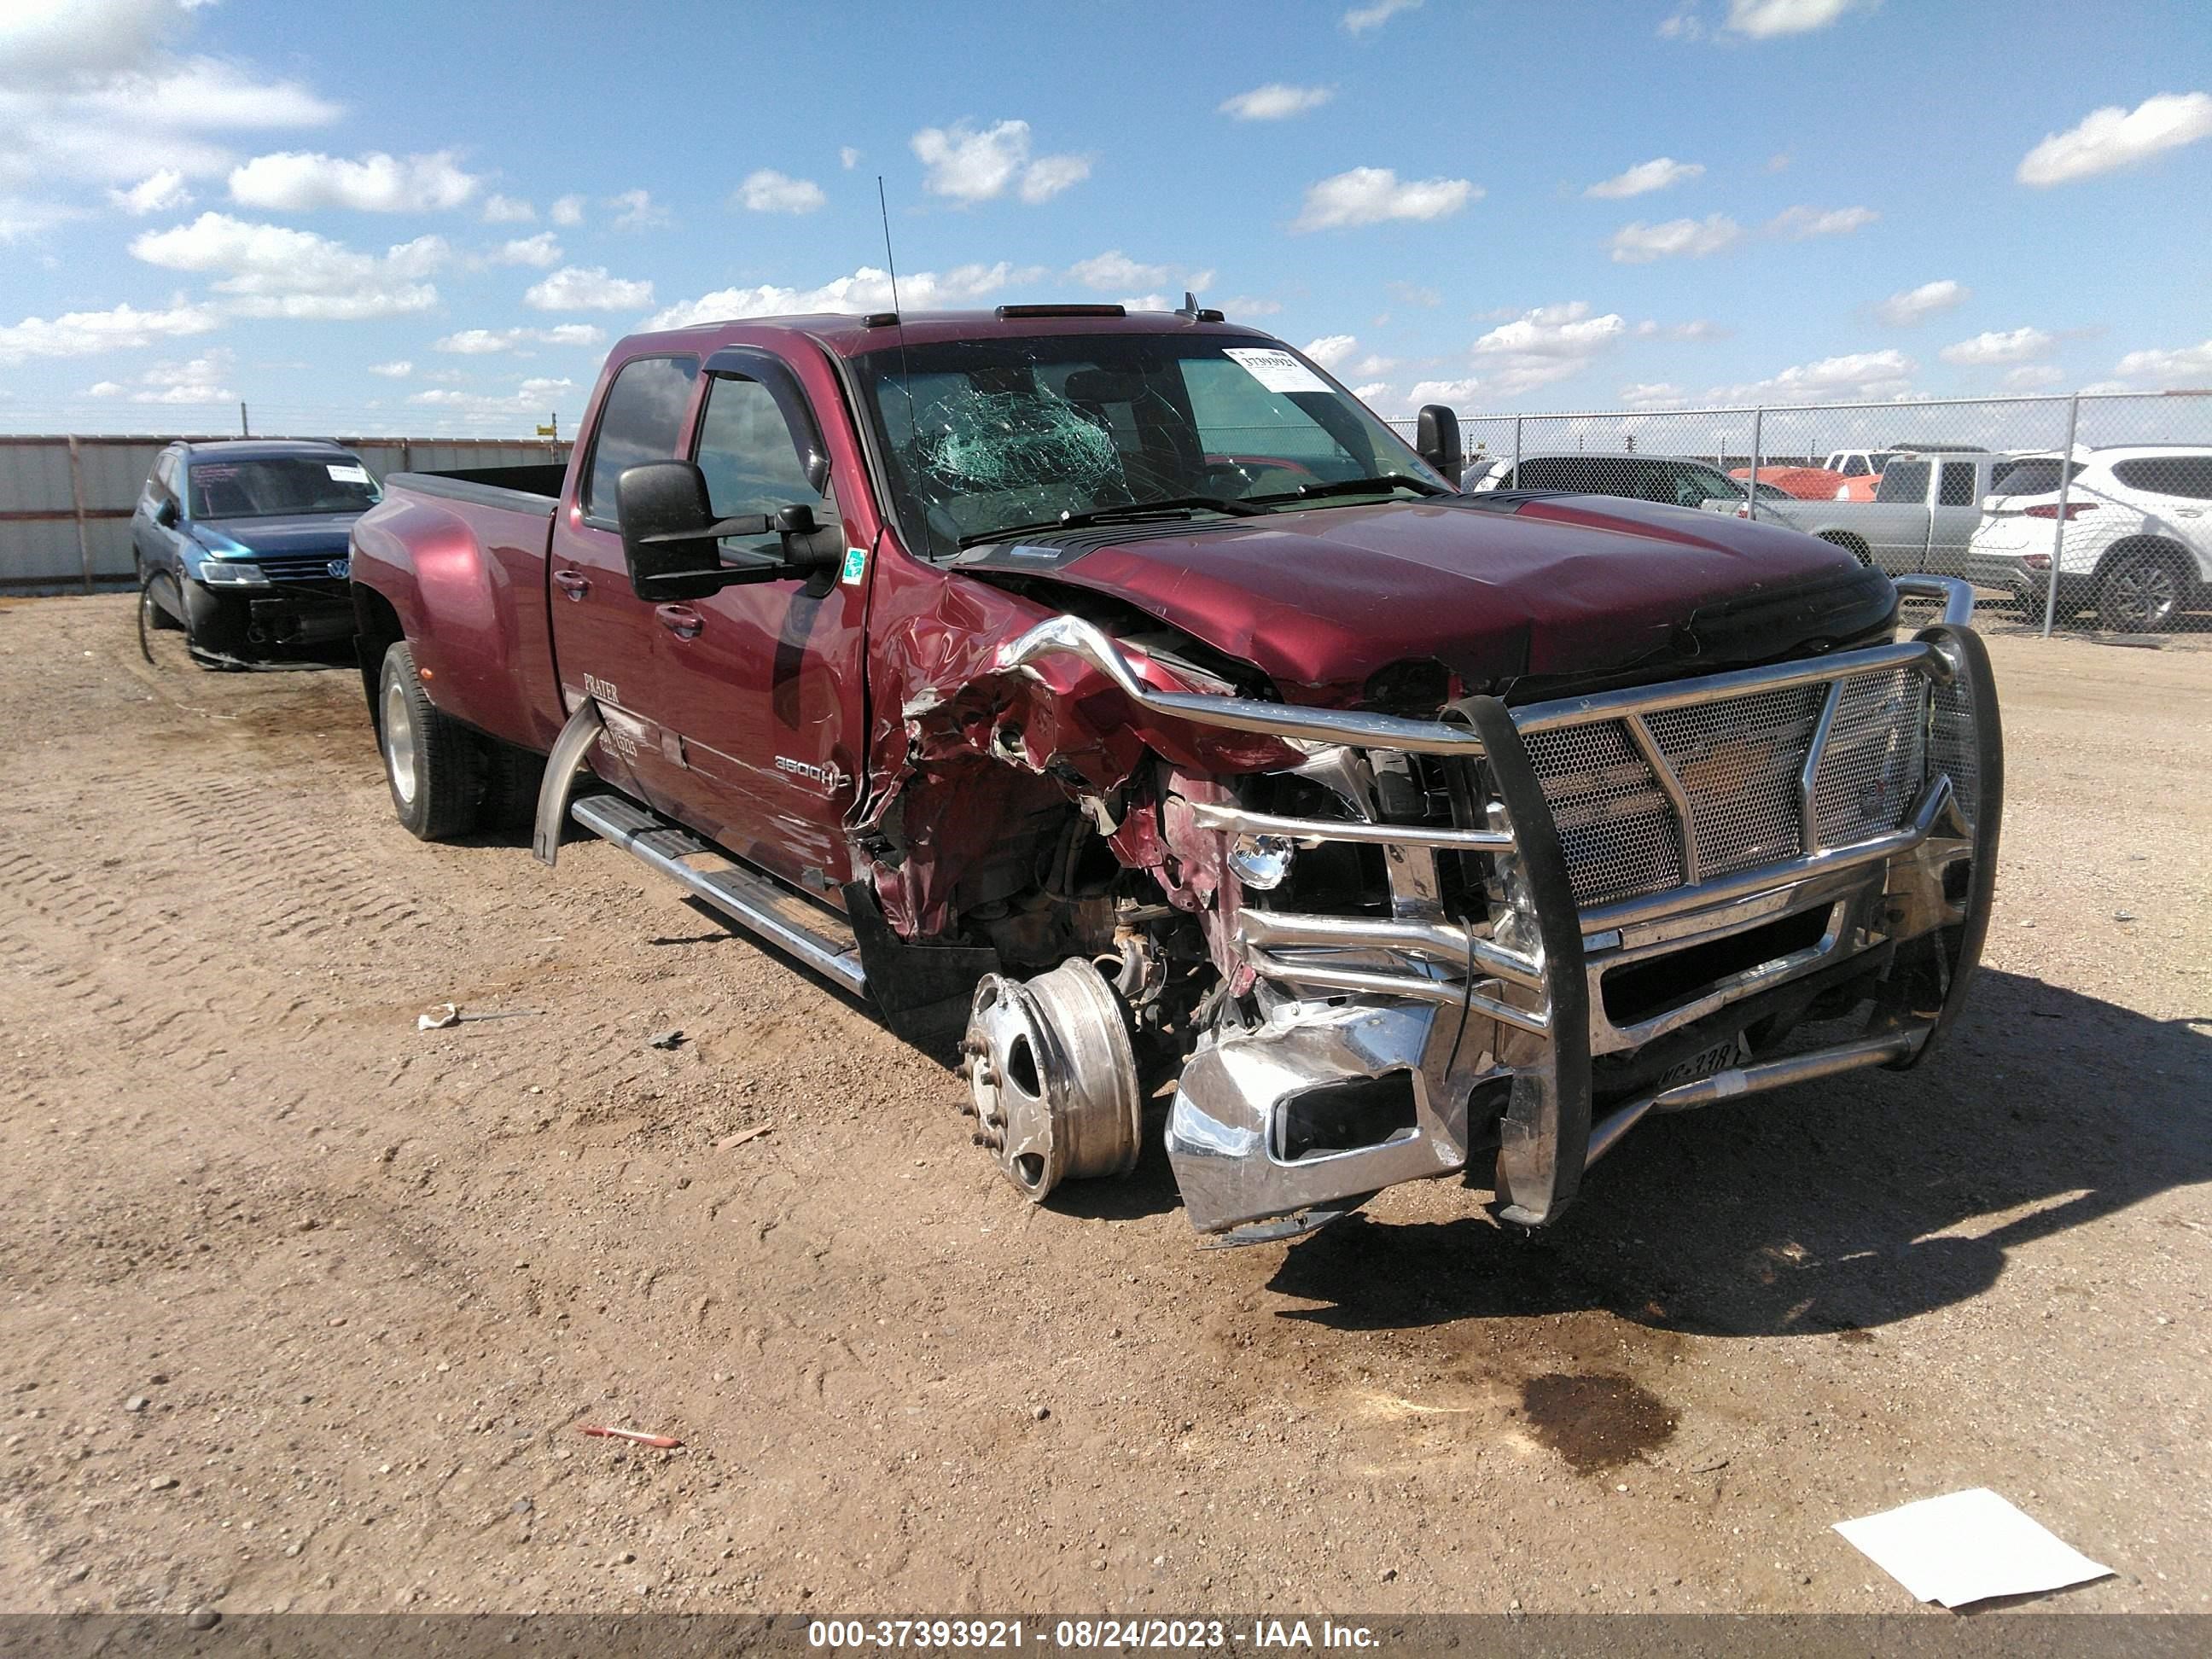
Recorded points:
(642, 420)
(749, 457)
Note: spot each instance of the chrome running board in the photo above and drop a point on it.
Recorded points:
(817, 937)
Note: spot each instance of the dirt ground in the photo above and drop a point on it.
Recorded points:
(301, 1308)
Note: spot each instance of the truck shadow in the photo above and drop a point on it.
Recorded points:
(1829, 1208)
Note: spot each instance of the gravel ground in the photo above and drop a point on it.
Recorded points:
(302, 1306)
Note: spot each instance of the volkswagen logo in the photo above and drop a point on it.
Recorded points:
(340, 569)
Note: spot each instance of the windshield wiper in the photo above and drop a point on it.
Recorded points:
(1382, 481)
(1125, 513)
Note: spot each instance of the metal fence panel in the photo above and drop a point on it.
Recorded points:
(2116, 542)
(65, 502)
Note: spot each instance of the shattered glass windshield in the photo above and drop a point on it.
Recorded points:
(982, 435)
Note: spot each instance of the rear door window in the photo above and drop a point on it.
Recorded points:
(1957, 486)
(1902, 481)
(2187, 475)
(642, 420)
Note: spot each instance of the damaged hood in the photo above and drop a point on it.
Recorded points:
(1496, 589)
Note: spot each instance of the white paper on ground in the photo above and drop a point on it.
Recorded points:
(1968, 1547)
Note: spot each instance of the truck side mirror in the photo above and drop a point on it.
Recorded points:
(672, 539)
(1436, 438)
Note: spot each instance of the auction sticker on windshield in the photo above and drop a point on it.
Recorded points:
(1278, 371)
(349, 474)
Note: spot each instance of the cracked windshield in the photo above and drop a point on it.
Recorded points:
(986, 439)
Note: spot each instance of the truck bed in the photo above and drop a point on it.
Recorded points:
(472, 545)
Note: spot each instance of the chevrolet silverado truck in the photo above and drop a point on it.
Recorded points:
(1116, 694)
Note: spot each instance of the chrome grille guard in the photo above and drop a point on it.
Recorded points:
(1529, 976)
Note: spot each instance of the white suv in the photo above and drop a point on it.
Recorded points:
(2138, 544)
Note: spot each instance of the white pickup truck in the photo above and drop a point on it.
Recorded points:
(1924, 514)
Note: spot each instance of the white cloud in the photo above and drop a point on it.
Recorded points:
(1046, 177)
(2033, 377)
(867, 290)
(484, 342)
(971, 167)
(1917, 304)
(1442, 392)
(301, 181)
(637, 210)
(101, 37)
(1549, 343)
(1331, 350)
(1372, 393)
(397, 370)
(1762, 20)
(542, 251)
(1373, 363)
(272, 271)
(1859, 374)
(848, 157)
(1683, 23)
(581, 288)
(1135, 302)
(2017, 345)
(1360, 19)
(1639, 244)
(83, 333)
(768, 190)
(1801, 222)
(1698, 328)
(1250, 305)
(567, 210)
(1368, 196)
(1646, 177)
(1115, 270)
(19, 218)
(508, 210)
(2189, 366)
(199, 381)
(1652, 394)
(1276, 101)
(117, 128)
(2114, 137)
(534, 397)
(158, 192)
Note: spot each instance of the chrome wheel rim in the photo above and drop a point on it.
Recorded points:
(2148, 593)
(398, 743)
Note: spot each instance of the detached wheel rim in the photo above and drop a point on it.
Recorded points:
(400, 742)
(2147, 593)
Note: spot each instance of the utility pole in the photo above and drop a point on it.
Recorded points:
(244, 430)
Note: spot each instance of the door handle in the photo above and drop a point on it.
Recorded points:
(574, 583)
(680, 620)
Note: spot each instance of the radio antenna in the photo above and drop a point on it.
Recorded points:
(905, 376)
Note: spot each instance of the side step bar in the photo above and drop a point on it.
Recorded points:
(817, 937)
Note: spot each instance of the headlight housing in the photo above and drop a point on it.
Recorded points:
(233, 573)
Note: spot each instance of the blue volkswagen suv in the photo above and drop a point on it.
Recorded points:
(242, 545)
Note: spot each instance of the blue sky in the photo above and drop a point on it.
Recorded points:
(435, 217)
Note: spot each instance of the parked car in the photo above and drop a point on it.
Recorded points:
(243, 545)
(1678, 480)
(1803, 483)
(1118, 693)
(2138, 533)
(1924, 511)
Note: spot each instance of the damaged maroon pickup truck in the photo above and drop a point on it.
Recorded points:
(1117, 695)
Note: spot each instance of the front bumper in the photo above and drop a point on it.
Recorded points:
(1547, 1028)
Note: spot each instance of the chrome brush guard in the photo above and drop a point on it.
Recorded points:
(1797, 823)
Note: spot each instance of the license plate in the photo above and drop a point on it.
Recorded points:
(1707, 1063)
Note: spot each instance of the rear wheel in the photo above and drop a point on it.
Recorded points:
(434, 764)
(2142, 591)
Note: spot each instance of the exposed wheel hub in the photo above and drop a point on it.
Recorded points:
(1053, 1077)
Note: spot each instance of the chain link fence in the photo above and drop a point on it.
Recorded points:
(2085, 514)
